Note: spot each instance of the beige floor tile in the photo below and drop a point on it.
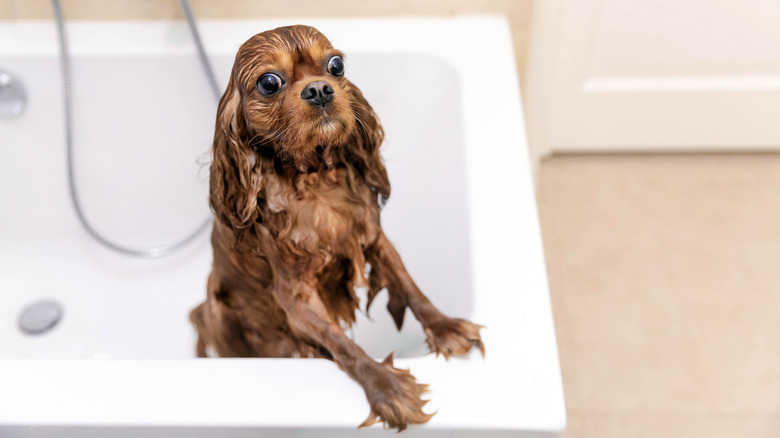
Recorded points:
(575, 427)
(36, 9)
(101, 9)
(7, 10)
(665, 280)
(681, 427)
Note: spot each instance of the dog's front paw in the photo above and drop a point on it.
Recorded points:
(394, 397)
(451, 336)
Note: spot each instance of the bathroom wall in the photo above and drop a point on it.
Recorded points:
(517, 11)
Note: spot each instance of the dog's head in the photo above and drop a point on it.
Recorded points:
(287, 94)
(290, 85)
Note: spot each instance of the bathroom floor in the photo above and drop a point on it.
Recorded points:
(665, 281)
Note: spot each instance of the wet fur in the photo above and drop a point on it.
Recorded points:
(297, 204)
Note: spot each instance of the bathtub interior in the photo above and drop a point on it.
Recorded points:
(143, 125)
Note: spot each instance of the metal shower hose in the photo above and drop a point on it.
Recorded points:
(153, 252)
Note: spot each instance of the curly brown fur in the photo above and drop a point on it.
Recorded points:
(296, 190)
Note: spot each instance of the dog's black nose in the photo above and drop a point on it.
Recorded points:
(318, 93)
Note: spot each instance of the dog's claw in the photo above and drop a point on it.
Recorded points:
(395, 400)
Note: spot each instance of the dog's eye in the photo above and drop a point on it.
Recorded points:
(269, 84)
(336, 66)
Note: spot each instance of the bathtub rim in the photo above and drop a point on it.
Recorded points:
(501, 251)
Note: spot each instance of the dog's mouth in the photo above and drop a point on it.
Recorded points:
(310, 137)
(327, 129)
(328, 125)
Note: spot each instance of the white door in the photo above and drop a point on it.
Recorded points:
(654, 75)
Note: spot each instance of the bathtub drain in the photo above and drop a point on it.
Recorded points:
(40, 317)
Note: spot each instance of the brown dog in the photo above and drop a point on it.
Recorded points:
(296, 187)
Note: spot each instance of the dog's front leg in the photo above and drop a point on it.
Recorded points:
(445, 335)
(393, 394)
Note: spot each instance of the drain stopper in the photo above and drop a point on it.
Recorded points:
(40, 317)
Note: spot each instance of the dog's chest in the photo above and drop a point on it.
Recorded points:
(324, 212)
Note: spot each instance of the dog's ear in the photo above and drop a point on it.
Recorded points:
(369, 137)
(235, 179)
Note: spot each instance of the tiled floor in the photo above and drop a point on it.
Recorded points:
(665, 280)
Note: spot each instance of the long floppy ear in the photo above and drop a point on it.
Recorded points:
(235, 180)
(369, 137)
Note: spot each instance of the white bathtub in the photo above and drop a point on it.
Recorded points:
(120, 363)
